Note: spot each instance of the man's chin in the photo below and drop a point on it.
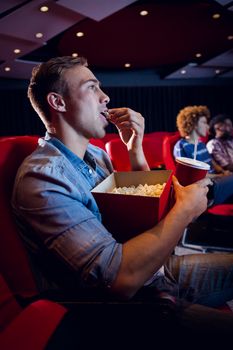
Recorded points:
(100, 134)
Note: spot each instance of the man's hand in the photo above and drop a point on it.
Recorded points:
(130, 125)
(192, 199)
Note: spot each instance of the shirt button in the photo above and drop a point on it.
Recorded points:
(90, 171)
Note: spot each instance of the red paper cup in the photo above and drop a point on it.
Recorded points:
(190, 170)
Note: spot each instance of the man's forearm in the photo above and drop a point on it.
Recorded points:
(144, 254)
(138, 161)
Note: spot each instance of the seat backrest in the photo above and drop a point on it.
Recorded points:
(118, 154)
(168, 146)
(153, 152)
(9, 308)
(14, 263)
(98, 142)
(153, 148)
(110, 136)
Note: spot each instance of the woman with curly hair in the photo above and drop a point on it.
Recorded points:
(192, 123)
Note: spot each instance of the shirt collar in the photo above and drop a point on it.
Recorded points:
(73, 158)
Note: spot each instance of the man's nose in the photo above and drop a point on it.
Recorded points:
(106, 99)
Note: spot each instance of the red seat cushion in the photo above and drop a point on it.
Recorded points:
(221, 209)
(33, 327)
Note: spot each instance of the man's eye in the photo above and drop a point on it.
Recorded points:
(93, 87)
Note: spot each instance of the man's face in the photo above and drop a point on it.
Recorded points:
(85, 103)
(220, 129)
(229, 126)
(202, 126)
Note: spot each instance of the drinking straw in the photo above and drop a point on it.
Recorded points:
(195, 149)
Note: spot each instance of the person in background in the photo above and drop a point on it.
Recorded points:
(60, 222)
(221, 145)
(192, 123)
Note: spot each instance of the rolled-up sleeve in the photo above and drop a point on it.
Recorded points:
(90, 251)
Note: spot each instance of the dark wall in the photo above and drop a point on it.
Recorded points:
(158, 104)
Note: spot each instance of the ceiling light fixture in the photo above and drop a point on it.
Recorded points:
(7, 69)
(198, 55)
(39, 35)
(74, 54)
(79, 34)
(217, 71)
(183, 71)
(44, 9)
(144, 13)
(230, 37)
(127, 65)
(216, 15)
(17, 51)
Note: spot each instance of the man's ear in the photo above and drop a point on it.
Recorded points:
(56, 101)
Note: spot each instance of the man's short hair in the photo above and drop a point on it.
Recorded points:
(48, 77)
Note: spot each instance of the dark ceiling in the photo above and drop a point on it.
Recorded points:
(166, 40)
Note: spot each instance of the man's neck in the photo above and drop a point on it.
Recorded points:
(75, 142)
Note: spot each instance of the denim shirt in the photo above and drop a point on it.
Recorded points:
(55, 210)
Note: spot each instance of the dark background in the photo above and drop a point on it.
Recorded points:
(158, 104)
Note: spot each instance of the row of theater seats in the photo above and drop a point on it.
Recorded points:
(14, 263)
(152, 146)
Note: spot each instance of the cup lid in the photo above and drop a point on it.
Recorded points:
(193, 163)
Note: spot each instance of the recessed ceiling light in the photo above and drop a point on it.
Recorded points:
(217, 71)
(183, 71)
(44, 9)
(7, 69)
(127, 65)
(39, 35)
(79, 34)
(74, 54)
(198, 55)
(17, 50)
(230, 37)
(216, 15)
(144, 13)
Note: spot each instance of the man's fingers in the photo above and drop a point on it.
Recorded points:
(175, 181)
(205, 182)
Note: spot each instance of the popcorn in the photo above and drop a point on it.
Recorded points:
(141, 190)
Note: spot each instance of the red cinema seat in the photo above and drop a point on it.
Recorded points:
(29, 328)
(118, 154)
(153, 148)
(110, 136)
(168, 146)
(14, 263)
(98, 142)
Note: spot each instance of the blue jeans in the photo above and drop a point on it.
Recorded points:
(200, 283)
(205, 279)
(223, 189)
